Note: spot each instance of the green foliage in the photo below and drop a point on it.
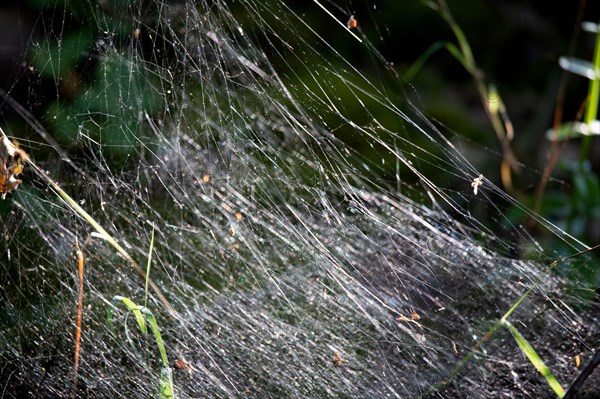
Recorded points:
(573, 212)
(535, 359)
(111, 110)
(592, 72)
(144, 317)
(59, 56)
(583, 207)
(572, 130)
(105, 96)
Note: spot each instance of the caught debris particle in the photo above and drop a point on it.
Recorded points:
(11, 164)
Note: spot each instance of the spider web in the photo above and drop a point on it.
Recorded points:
(315, 233)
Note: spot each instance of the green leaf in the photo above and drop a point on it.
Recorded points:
(166, 383)
(534, 358)
(416, 67)
(148, 266)
(143, 314)
(156, 332)
(587, 192)
(431, 4)
(55, 58)
(136, 311)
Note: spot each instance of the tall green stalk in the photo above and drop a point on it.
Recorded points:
(591, 110)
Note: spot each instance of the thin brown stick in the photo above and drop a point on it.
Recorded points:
(79, 317)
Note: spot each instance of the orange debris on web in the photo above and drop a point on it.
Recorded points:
(352, 22)
(11, 164)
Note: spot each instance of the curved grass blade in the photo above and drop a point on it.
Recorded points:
(144, 318)
(136, 311)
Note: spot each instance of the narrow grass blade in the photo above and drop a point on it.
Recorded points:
(454, 372)
(593, 100)
(166, 383)
(78, 321)
(535, 359)
(143, 315)
(148, 267)
(416, 67)
(136, 311)
(156, 332)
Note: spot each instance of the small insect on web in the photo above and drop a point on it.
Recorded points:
(11, 164)
(478, 181)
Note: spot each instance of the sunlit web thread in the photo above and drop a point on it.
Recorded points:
(330, 252)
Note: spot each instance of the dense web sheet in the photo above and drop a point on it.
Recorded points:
(315, 234)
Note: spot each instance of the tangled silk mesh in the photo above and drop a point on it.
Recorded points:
(297, 265)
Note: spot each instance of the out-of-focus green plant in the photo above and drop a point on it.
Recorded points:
(489, 96)
(101, 90)
(571, 212)
(591, 71)
(584, 203)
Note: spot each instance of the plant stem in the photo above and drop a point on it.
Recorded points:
(591, 110)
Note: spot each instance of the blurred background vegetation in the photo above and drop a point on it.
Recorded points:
(516, 46)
